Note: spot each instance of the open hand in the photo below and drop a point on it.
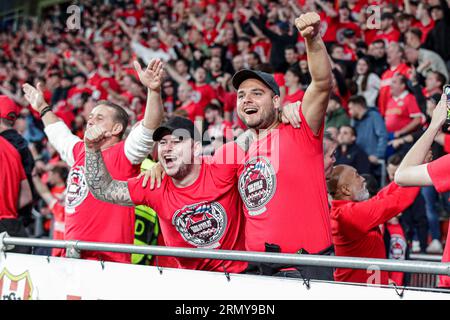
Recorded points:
(152, 76)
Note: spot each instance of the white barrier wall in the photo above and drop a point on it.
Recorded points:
(39, 277)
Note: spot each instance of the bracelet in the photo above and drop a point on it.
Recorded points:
(45, 110)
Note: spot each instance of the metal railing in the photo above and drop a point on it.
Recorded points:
(75, 247)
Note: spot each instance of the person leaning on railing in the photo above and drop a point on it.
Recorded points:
(355, 220)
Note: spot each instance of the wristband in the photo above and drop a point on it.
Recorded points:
(45, 110)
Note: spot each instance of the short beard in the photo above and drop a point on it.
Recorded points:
(183, 171)
(264, 123)
(362, 195)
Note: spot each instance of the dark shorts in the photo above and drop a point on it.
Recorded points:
(15, 228)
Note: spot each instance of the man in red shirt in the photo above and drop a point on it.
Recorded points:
(414, 172)
(15, 190)
(355, 220)
(198, 203)
(88, 219)
(395, 55)
(388, 33)
(402, 111)
(286, 205)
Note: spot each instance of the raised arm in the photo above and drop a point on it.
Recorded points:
(59, 135)
(317, 94)
(412, 170)
(99, 180)
(139, 143)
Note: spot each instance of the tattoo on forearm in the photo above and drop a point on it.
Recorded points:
(100, 182)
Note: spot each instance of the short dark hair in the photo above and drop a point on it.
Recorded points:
(417, 32)
(440, 77)
(290, 47)
(395, 159)
(296, 71)
(351, 128)
(121, 116)
(359, 100)
(62, 171)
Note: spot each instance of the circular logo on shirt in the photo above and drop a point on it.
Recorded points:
(196, 96)
(397, 248)
(257, 183)
(77, 189)
(201, 224)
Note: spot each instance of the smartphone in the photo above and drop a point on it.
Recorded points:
(446, 91)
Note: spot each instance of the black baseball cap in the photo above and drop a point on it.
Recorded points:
(264, 77)
(178, 126)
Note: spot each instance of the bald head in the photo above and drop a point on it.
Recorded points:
(345, 183)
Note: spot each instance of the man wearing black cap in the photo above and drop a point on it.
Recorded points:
(283, 184)
(198, 203)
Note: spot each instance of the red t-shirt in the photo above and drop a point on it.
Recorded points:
(78, 91)
(11, 174)
(385, 85)
(193, 109)
(356, 229)
(400, 111)
(206, 214)
(283, 188)
(440, 175)
(392, 36)
(203, 94)
(294, 97)
(89, 219)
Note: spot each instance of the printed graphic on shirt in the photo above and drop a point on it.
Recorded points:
(202, 224)
(196, 96)
(397, 248)
(77, 189)
(257, 184)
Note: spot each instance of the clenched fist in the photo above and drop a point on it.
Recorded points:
(308, 25)
(95, 136)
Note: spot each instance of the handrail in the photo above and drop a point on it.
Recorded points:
(265, 257)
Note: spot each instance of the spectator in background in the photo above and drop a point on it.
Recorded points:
(377, 51)
(413, 218)
(292, 57)
(252, 60)
(434, 82)
(426, 61)
(16, 193)
(388, 32)
(370, 130)
(368, 82)
(356, 219)
(349, 152)
(403, 115)
(336, 115)
(437, 39)
(54, 199)
(329, 153)
(218, 129)
(395, 59)
(413, 38)
(9, 113)
(293, 85)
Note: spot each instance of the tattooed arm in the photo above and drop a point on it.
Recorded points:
(99, 180)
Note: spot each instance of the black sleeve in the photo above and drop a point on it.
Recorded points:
(420, 98)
